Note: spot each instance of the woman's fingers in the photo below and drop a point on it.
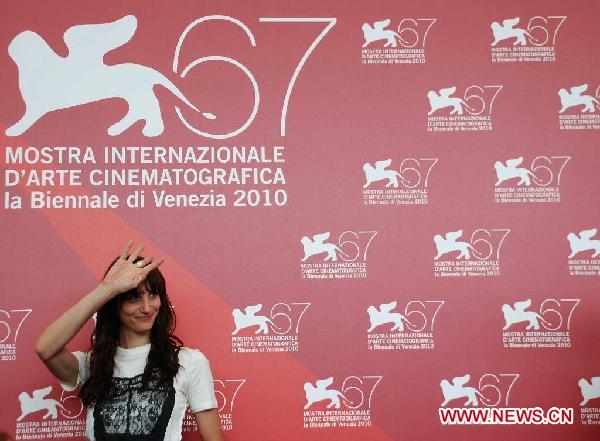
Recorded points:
(136, 253)
(142, 263)
(146, 265)
(153, 264)
(125, 251)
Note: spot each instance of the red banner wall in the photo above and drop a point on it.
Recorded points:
(368, 212)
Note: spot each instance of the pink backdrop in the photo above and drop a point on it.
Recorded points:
(348, 106)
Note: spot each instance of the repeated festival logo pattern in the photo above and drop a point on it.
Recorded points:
(538, 181)
(490, 390)
(469, 111)
(226, 392)
(339, 401)
(590, 391)
(276, 332)
(44, 414)
(584, 259)
(12, 321)
(411, 329)
(400, 46)
(345, 403)
(530, 41)
(479, 256)
(346, 259)
(406, 185)
(545, 326)
(579, 110)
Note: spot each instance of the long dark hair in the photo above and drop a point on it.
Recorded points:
(162, 362)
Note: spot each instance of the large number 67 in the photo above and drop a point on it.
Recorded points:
(330, 23)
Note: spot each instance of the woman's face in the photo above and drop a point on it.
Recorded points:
(138, 312)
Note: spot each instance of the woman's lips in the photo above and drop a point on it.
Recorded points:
(145, 318)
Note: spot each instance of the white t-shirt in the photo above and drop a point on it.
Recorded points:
(160, 408)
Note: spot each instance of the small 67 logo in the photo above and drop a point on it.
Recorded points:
(410, 33)
(483, 243)
(584, 241)
(552, 314)
(476, 100)
(11, 322)
(283, 318)
(492, 390)
(575, 97)
(418, 315)
(354, 392)
(540, 31)
(226, 391)
(411, 174)
(350, 246)
(68, 405)
(542, 172)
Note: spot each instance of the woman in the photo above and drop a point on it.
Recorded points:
(138, 379)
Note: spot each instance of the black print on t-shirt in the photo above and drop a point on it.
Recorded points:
(128, 412)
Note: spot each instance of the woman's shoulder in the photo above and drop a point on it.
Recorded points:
(191, 356)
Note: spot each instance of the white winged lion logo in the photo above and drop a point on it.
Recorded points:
(512, 170)
(584, 242)
(444, 99)
(319, 392)
(589, 389)
(518, 314)
(38, 401)
(457, 389)
(49, 82)
(507, 30)
(378, 32)
(574, 97)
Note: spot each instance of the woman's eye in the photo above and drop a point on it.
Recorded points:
(153, 294)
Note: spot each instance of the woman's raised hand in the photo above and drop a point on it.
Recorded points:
(124, 274)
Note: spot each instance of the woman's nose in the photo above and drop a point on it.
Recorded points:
(145, 304)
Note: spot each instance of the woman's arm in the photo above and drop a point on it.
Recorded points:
(122, 276)
(209, 425)
(51, 346)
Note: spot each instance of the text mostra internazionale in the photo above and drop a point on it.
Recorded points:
(186, 157)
